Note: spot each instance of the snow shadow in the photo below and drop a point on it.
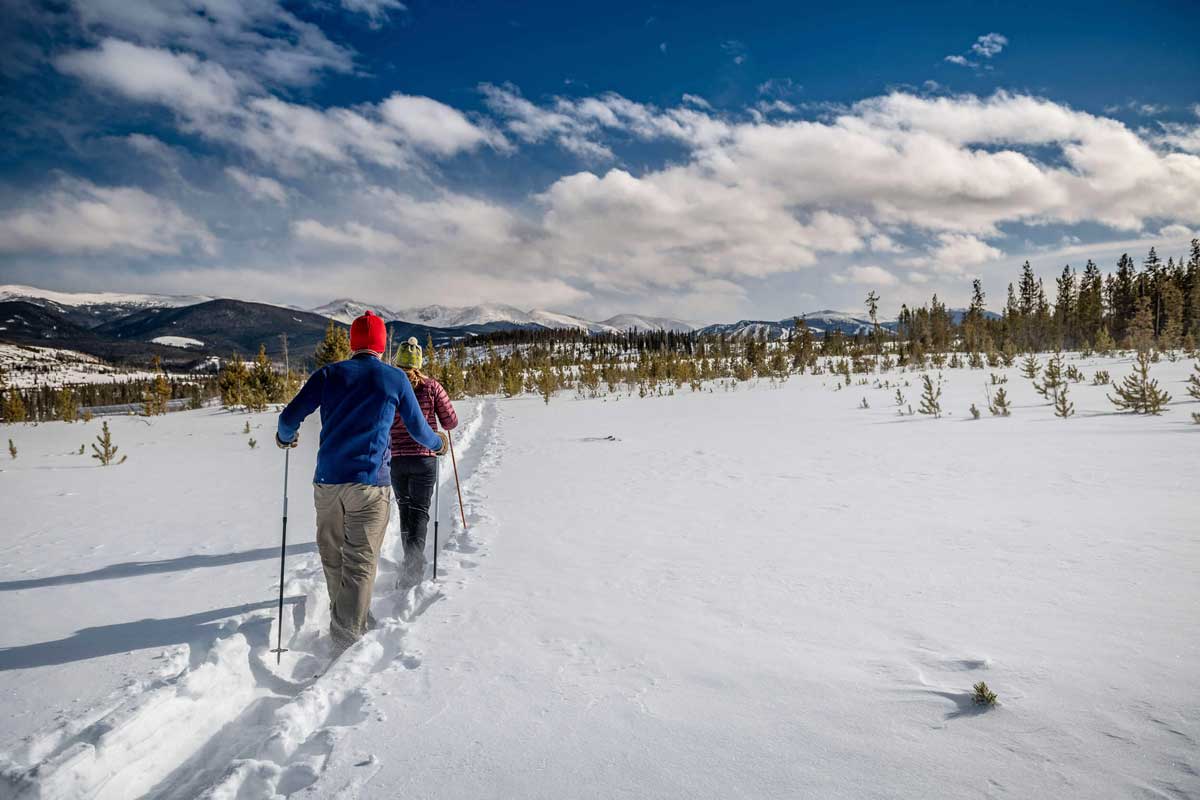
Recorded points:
(965, 705)
(132, 569)
(197, 630)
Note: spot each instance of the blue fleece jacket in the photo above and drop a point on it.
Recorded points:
(359, 398)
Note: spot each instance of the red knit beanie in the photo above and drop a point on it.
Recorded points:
(368, 333)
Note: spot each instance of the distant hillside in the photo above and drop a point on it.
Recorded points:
(225, 326)
(27, 323)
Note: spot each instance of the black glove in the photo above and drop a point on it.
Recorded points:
(282, 445)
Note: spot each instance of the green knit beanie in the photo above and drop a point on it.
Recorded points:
(409, 355)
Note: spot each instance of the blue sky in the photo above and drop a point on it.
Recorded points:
(703, 160)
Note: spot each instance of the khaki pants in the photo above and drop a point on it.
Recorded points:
(352, 519)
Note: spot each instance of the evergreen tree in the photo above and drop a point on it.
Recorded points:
(974, 321)
(66, 406)
(1141, 327)
(233, 381)
(982, 695)
(263, 385)
(334, 347)
(931, 397)
(547, 384)
(1124, 298)
(1104, 343)
(999, 405)
(1063, 407)
(156, 395)
(103, 449)
(801, 345)
(1194, 382)
(1089, 306)
(514, 379)
(1065, 310)
(12, 449)
(1192, 295)
(1052, 377)
(14, 406)
(872, 302)
(1139, 393)
(1172, 312)
(1030, 367)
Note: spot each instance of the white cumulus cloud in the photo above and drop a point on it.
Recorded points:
(79, 217)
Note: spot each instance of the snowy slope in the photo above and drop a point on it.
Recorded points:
(793, 603)
(552, 319)
(26, 366)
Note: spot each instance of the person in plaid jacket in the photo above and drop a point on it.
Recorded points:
(414, 466)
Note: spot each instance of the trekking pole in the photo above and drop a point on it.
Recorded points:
(279, 648)
(437, 510)
(457, 485)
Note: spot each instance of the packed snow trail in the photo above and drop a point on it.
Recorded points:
(225, 721)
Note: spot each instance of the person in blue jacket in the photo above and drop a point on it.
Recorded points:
(359, 398)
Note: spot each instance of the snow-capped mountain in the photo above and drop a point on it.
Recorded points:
(91, 309)
(626, 322)
(494, 315)
(346, 310)
(437, 316)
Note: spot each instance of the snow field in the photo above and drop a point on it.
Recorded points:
(765, 592)
(774, 593)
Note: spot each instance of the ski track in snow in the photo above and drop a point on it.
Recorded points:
(227, 722)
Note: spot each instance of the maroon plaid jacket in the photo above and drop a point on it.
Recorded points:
(435, 405)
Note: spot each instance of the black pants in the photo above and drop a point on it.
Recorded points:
(413, 479)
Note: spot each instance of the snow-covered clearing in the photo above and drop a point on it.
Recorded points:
(177, 341)
(759, 593)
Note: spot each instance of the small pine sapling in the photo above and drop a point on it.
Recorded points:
(103, 450)
(1030, 366)
(246, 429)
(1101, 378)
(81, 449)
(251, 441)
(931, 397)
(1052, 378)
(999, 404)
(999, 379)
(1139, 393)
(12, 449)
(1194, 383)
(1063, 407)
(1196, 418)
(983, 695)
(974, 412)
(864, 404)
(1073, 374)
